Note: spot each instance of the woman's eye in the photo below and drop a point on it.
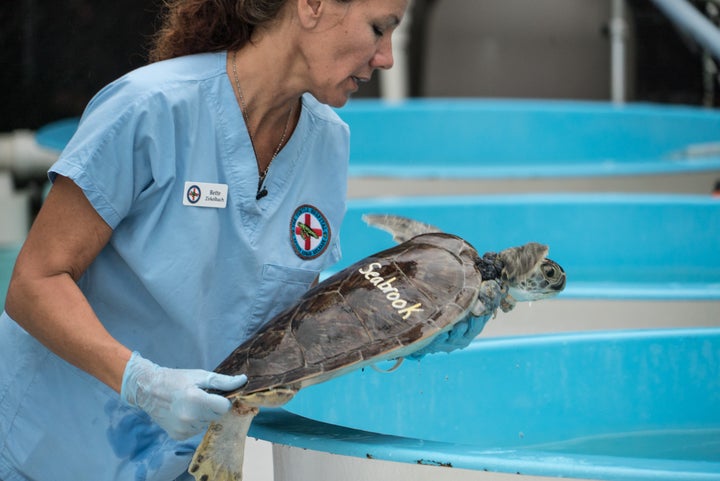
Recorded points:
(377, 31)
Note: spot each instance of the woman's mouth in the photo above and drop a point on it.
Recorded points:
(359, 80)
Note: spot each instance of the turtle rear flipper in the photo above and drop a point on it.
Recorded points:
(221, 453)
(401, 228)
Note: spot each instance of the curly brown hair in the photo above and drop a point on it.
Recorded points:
(196, 26)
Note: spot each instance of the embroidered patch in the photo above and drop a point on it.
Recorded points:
(309, 232)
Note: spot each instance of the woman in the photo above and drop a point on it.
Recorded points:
(169, 235)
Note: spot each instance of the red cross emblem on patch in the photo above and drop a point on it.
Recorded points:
(310, 232)
(193, 194)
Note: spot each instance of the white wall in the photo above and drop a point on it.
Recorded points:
(518, 48)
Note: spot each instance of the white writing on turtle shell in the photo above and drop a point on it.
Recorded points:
(391, 293)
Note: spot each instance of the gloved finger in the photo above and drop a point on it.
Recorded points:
(215, 406)
(476, 325)
(179, 427)
(439, 344)
(209, 407)
(184, 432)
(458, 332)
(417, 355)
(222, 382)
(198, 408)
(187, 431)
(430, 348)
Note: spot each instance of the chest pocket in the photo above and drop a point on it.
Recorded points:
(280, 287)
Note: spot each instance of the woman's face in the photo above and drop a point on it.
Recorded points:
(350, 41)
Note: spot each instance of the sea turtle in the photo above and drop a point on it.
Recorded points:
(385, 306)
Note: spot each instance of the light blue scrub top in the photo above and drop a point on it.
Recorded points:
(182, 284)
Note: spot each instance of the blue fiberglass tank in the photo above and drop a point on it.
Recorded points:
(461, 138)
(528, 145)
(632, 405)
(618, 246)
(616, 405)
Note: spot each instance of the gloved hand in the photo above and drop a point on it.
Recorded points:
(459, 337)
(174, 398)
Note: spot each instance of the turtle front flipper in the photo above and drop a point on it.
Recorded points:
(401, 228)
(221, 453)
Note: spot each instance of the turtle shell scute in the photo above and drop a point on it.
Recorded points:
(366, 311)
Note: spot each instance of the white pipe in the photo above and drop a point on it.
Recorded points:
(694, 23)
(14, 213)
(394, 82)
(21, 154)
(618, 29)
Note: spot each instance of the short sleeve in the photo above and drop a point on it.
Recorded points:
(111, 157)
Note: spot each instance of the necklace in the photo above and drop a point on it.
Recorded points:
(261, 192)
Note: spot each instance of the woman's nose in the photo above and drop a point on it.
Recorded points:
(383, 57)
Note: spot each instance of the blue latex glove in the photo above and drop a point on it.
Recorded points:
(459, 337)
(174, 398)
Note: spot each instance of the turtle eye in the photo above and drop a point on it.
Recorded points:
(549, 271)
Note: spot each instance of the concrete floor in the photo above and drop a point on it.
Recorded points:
(686, 183)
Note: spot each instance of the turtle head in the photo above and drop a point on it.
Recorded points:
(529, 274)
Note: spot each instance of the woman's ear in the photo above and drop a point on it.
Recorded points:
(310, 11)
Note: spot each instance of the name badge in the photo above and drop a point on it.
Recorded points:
(203, 194)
